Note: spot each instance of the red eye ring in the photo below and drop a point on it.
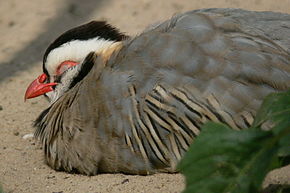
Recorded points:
(64, 66)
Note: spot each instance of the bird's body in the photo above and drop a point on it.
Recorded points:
(138, 104)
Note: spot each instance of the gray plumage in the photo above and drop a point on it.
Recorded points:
(139, 110)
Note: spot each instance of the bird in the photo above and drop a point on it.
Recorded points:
(134, 104)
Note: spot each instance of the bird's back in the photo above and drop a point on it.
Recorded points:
(272, 25)
(218, 60)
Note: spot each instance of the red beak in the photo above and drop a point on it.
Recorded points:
(38, 87)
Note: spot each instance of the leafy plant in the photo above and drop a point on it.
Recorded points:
(222, 160)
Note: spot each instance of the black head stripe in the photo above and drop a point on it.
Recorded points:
(85, 32)
(86, 67)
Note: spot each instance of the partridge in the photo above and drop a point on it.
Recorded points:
(135, 104)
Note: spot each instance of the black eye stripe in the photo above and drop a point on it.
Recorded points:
(86, 67)
(57, 79)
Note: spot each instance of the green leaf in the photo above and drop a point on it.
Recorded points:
(222, 160)
(276, 109)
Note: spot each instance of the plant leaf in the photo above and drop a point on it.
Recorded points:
(222, 160)
(276, 109)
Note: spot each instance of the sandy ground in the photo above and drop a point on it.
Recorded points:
(26, 28)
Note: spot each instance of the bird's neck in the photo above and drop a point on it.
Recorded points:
(107, 52)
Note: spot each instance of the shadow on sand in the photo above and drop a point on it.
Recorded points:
(74, 13)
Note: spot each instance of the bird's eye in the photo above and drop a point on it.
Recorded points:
(64, 66)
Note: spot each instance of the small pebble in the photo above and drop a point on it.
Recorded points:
(27, 136)
(50, 177)
(11, 23)
(1, 108)
(125, 181)
(16, 133)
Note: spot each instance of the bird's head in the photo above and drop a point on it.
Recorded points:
(63, 59)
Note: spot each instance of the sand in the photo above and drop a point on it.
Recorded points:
(26, 28)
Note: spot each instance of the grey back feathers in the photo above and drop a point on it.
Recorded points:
(139, 111)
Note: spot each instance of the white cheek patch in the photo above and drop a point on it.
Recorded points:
(75, 50)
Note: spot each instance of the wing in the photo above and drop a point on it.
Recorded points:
(212, 59)
(195, 67)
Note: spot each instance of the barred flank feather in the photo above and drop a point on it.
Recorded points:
(180, 122)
